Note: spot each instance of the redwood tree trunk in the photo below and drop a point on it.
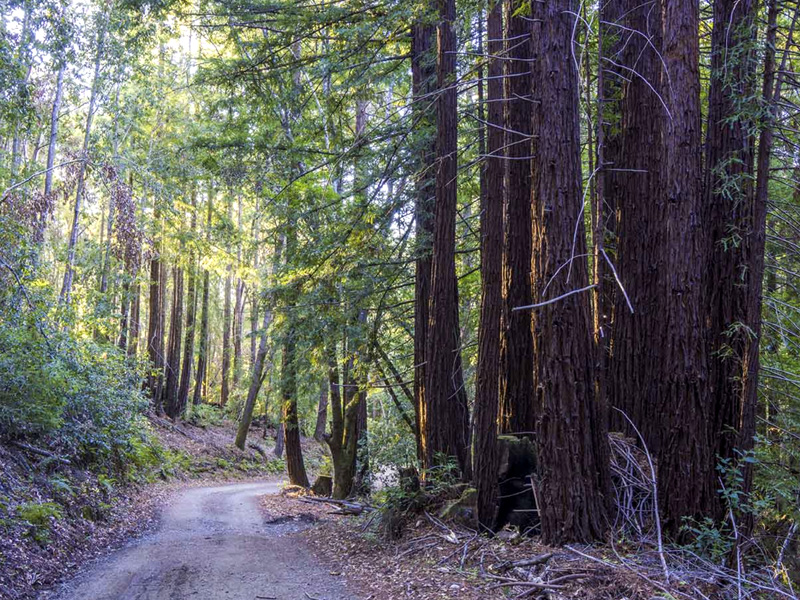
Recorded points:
(173, 364)
(423, 69)
(202, 350)
(291, 425)
(569, 485)
(732, 221)
(322, 413)
(634, 356)
(225, 389)
(446, 427)
(487, 379)
(191, 309)
(155, 328)
(680, 395)
(517, 409)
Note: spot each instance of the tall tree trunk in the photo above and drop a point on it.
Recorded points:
(423, 71)
(172, 367)
(51, 146)
(133, 328)
(155, 328)
(516, 396)
(322, 414)
(291, 424)
(202, 350)
(680, 395)
(225, 390)
(191, 308)
(569, 486)
(487, 379)
(256, 379)
(771, 94)
(446, 427)
(731, 220)
(634, 357)
(66, 288)
(238, 309)
(343, 438)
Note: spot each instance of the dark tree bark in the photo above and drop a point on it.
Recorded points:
(446, 427)
(225, 389)
(634, 356)
(771, 94)
(680, 379)
(191, 309)
(256, 378)
(155, 328)
(133, 328)
(172, 367)
(569, 485)
(516, 395)
(322, 413)
(343, 437)
(291, 425)
(423, 69)
(238, 309)
(202, 350)
(733, 228)
(487, 380)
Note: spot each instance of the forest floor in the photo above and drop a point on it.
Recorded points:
(55, 518)
(433, 560)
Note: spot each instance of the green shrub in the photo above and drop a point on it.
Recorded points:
(39, 514)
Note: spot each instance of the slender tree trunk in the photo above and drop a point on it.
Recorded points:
(155, 328)
(202, 350)
(51, 146)
(280, 440)
(66, 288)
(517, 408)
(133, 335)
(424, 83)
(729, 214)
(343, 437)
(446, 427)
(680, 395)
(238, 310)
(322, 414)
(291, 425)
(255, 383)
(172, 367)
(226, 334)
(771, 93)
(191, 308)
(487, 379)
(568, 488)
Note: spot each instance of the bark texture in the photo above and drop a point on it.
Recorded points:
(517, 409)
(735, 225)
(423, 69)
(680, 395)
(446, 427)
(487, 384)
(569, 481)
(638, 216)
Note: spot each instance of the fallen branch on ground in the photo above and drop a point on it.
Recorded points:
(40, 452)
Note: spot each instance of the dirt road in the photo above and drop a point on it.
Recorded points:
(212, 544)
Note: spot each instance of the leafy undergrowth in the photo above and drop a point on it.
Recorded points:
(54, 515)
